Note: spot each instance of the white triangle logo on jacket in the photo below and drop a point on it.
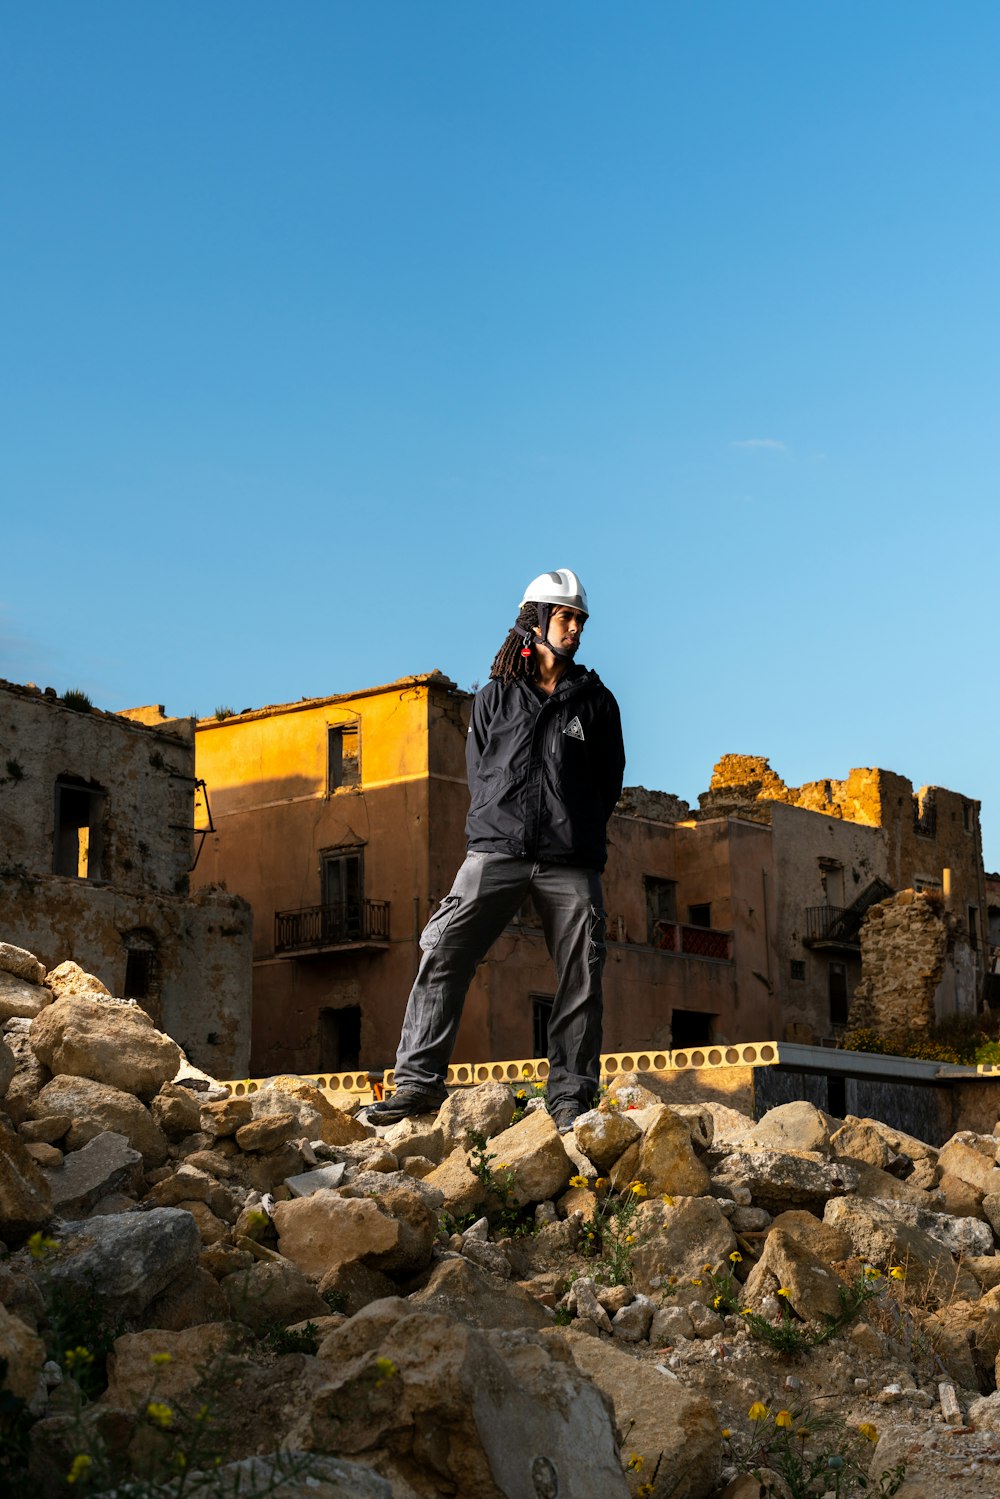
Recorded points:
(574, 728)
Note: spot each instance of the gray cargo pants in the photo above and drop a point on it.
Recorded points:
(487, 892)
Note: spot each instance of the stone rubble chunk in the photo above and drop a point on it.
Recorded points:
(189, 1184)
(95, 1107)
(532, 1152)
(631, 1323)
(49, 1129)
(110, 1042)
(225, 1116)
(270, 1292)
(706, 1322)
(107, 1163)
(302, 1475)
(128, 1259)
(792, 1127)
(777, 1180)
(8, 1067)
(379, 1183)
(678, 1239)
(321, 1178)
(69, 980)
(464, 1290)
(177, 1111)
(25, 1194)
(667, 1162)
(604, 1135)
(319, 1119)
(24, 1354)
(21, 963)
(488, 1256)
(670, 1324)
(415, 1137)
(878, 1236)
(486, 1109)
(582, 1300)
(325, 1229)
(21, 999)
(786, 1263)
(962, 1158)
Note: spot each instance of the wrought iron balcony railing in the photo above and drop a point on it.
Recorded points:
(345, 924)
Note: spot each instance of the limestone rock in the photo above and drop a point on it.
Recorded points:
(631, 1323)
(827, 1242)
(679, 1240)
(302, 1475)
(418, 1226)
(700, 1122)
(115, 1044)
(958, 1235)
(8, 1066)
(51, 1128)
(326, 1229)
(270, 1292)
(486, 1109)
(107, 1163)
(318, 1118)
(856, 1140)
(18, 997)
(667, 1418)
(961, 1158)
(191, 1350)
(790, 1127)
(532, 1150)
(352, 1285)
(667, 1162)
(222, 1117)
(604, 1135)
(189, 1184)
(461, 1188)
(177, 1111)
(21, 963)
(24, 1354)
(29, 1077)
(192, 1298)
(813, 1289)
(965, 1335)
(777, 1180)
(879, 1237)
(95, 1107)
(464, 1290)
(415, 1137)
(70, 979)
(473, 1390)
(670, 1324)
(128, 1259)
(268, 1132)
(320, 1178)
(379, 1183)
(25, 1195)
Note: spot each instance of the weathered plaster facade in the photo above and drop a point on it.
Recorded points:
(96, 820)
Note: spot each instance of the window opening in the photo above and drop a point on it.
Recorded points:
(340, 1039)
(691, 1028)
(661, 905)
(973, 924)
(700, 915)
(79, 815)
(798, 968)
(836, 1096)
(541, 1011)
(343, 744)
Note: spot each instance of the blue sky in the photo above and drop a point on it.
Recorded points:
(327, 326)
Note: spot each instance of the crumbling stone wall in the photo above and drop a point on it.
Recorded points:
(133, 892)
(657, 806)
(915, 967)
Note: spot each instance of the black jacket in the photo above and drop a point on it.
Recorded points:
(545, 772)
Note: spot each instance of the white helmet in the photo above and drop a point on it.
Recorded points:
(561, 587)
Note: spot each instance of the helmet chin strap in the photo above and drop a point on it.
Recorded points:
(529, 638)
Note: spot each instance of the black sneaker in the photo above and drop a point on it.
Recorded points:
(405, 1103)
(565, 1116)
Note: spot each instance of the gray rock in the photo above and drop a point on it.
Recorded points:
(489, 1257)
(308, 1182)
(669, 1324)
(959, 1235)
(302, 1475)
(107, 1163)
(128, 1259)
(463, 1290)
(375, 1183)
(777, 1180)
(486, 1110)
(632, 1322)
(8, 1066)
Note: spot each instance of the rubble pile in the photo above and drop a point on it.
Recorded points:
(470, 1303)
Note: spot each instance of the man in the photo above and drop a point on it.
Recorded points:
(545, 764)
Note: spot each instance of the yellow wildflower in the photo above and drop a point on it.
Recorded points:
(868, 1431)
(386, 1369)
(897, 1272)
(706, 1269)
(638, 1189)
(160, 1359)
(672, 1280)
(745, 1311)
(77, 1358)
(726, 1433)
(634, 1463)
(160, 1414)
(79, 1468)
(695, 1282)
(600, 1184)
(758, 1411)
(803, 1432)
(783, 1291)
(613, 1103)
(39, 1245)
(871, 1273)
(784, 1419)
(527, 1070)
(716, 1302)
(736, 1257)
(630, 1238)
(578, 1181)
(668, 1200)
(644, 1490)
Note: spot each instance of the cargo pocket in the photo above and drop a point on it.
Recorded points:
(598, 936)
(439, 922)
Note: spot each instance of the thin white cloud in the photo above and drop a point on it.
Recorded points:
(771, 444)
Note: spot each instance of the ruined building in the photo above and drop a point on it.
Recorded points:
(839, 849)
(96, 846)
(341, 820)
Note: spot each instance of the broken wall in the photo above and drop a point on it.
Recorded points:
(916, 965)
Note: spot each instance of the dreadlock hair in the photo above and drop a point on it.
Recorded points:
(508, 663)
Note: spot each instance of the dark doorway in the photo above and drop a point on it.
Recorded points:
(78, 825)
(837, 984)
(541, 1010)
(340, 1039)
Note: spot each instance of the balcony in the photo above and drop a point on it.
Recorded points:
(834, 927)
(356, 926)
(692, 941)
